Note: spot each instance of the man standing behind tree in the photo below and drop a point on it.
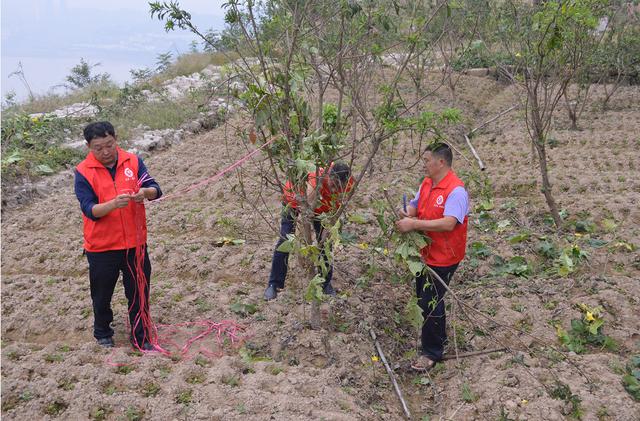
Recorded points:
(111, 186)
(440, 211)
(333, 184)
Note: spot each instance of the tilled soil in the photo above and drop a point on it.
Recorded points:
(52, 368)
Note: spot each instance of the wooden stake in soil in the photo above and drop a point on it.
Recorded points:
(473, 354)
(405, 408)
(473, 151)
(493, 119)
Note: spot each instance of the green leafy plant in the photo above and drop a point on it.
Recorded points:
(134, 414)
(563, 392)
(150, 389)
(586, 331)
(55, 408)
(569, 258)
(243, 309)
(184, 397)
(479, 250)
(631, 380)
(517, 266)
(468, 395)
(32, 145)
(81, 75)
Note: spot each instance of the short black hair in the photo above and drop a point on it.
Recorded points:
(97, 130)
(341, 172)
(441, 150)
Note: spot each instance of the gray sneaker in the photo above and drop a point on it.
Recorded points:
(270, 293)
(106, 342)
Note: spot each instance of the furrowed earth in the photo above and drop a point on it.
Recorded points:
(283, 370)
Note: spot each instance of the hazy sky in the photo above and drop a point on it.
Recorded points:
(50, 36)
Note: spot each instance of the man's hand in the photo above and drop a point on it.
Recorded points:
(140, 196)
(406, 224)
(121, 201)
(404, 214)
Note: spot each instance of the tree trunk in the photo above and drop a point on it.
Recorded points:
(546, 184)
(310, 270)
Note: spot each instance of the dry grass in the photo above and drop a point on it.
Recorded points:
(187, 64)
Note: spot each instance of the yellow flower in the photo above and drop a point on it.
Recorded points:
(34, 119)
(518, 55)
(589, 316)
(524, 401)
(375, 359)
(385, 252)
(363, 246)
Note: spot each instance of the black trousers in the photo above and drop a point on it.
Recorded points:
(104, 270)
(430, 293)
(280, 260)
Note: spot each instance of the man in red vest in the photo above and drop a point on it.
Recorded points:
(334, 183)
(439, 210)
(111, 186)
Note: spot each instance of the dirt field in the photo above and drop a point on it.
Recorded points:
(52, 368)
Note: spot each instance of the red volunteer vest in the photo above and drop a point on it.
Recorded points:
(329, 200)
(446, 248)
(117, 230)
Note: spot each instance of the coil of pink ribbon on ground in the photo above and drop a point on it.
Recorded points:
(162, 337)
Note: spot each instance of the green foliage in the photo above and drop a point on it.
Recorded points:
(569, 258)
(586, 331)
(631, 380)
(249, 356)
(547, 249)
(163, 61)
(134, 414)
(408, 251)
(184, 397)
(150, 390)
(125, 369)
(314, 290)
(476, 55)
(99, 414)
(468, 395)
(517, 266)
(479, 249)
(563, 392)
(81, 77)
(413, 313)
(32, 145)
(520, 237)
(243, 309)
(55, 408)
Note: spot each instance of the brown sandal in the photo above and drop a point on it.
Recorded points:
(423, 363)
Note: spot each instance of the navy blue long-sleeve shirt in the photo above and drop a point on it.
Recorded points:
(88, 198)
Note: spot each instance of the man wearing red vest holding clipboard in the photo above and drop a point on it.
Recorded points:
(439, 210)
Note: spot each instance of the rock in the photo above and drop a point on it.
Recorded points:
(79, 109)
(192, 127)
(80, 145)
(511, 380)
(480, 72)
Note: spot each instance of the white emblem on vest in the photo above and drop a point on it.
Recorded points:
(128, 172)
(439, 200)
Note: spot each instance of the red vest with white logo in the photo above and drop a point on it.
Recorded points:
(329, 200)
(446, 248)
(122, 228)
